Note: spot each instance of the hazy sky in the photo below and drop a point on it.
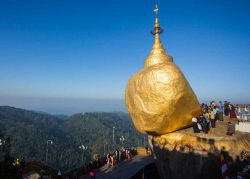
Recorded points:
(66, 51)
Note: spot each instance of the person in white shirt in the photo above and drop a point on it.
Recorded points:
(195, 126)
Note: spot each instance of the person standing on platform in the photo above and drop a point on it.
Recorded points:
(207, 117)
(212, 118)
(221, 111)
(226, 108)
(204, 124)
(232, 111)
(195, 126)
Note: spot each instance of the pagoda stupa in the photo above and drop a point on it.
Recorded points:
(158, 97)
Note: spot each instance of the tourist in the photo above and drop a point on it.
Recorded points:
(120, 155)
(226, 108)
(215, 110)
(195, 125)
(92, 174)
(220, 111)
(17, 164)
(204, 124)
(238, 109)
(207, 117)
(246, 109)
(129, 156)
(212, 118)
(199, 123)
(112, 160)
(126, 154)
(116, 155)
(108, 159)
(232, 111)
(213, 104)
(230, 129)
(221, 107)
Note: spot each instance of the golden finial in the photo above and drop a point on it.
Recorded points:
(157, 29)
(157, 54)
(156, 10)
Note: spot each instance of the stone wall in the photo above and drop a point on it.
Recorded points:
(193, 156)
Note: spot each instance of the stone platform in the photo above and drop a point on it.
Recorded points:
(185, 154)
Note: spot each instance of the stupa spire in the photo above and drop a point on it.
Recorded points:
(157, 53)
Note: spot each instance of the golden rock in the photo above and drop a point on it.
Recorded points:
(158, 97)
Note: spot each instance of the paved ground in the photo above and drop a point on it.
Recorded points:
(124, 169)
(219, 132)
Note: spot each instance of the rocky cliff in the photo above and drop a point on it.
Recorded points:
(185, 154)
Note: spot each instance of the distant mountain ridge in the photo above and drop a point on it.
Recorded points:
(29, 132)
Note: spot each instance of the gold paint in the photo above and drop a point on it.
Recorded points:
(176, 140)
(158, 97)
(157, 54)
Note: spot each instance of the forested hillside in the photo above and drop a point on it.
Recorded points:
(29, 132)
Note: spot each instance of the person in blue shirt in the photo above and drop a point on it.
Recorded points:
(204, 124)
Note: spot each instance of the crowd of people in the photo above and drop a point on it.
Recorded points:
(212, 113)
(110, 160)
(118, 155)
